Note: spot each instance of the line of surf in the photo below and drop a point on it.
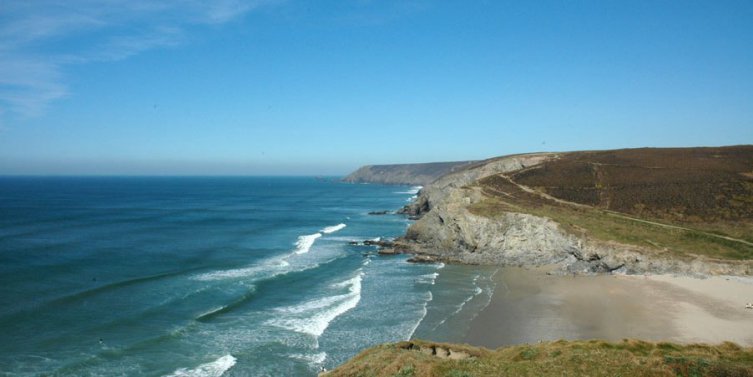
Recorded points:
(314, 316)
(412, 191)
(304, 243)
(206, 316)
(267, 269)
(212, 369)
(476, 291)
(426, 279)
(424, 312)
(274, 266)
(313, 359)
(333, 228)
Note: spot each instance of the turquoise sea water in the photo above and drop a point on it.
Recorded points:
(211, 276)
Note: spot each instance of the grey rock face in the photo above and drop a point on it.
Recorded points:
(444, 185)
(452, 232)
(404, 174)
(447, 230)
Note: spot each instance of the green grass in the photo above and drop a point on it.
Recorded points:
(560, 358)
(707, 190)
(607, 226)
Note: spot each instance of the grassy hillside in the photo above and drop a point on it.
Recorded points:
(685, 201)
(561, 358)
(690, 185)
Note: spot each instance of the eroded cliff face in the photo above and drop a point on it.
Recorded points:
(451, 231)
(405, 174)
(447, 230)
(446, 184)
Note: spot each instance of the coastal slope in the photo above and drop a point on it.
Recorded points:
(560, 358)
(650, 210)
(405, 174)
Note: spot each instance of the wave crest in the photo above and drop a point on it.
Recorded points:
(214, 369)
(304, 243)
(412, 191)
(313, 317)
(333, 228)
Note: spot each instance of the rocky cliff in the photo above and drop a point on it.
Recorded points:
(480, 215)
(405, 174)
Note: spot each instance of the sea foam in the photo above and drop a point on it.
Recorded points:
(333, 228)
(476, 291)
(313, 317)
(214, 369)
(269, 268)
(304, 243)
(264, 271)
(312, 359)
(413, 190)
(424, 311)
(428, 278)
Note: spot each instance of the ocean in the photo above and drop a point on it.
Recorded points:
(212, 276)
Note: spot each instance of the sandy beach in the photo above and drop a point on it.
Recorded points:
(529, 306)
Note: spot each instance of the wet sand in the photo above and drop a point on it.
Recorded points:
(529, 306)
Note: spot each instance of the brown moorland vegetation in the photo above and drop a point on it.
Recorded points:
(705, 195)
(676, 184)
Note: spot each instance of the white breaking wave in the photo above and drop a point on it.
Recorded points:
(214, 369)
(269, 268)
(428, 278)
(313, 317)
(412, 198)
(262, 271)
(304, 243)
(315, 359)
(476, 291)
(490, 293)
(333, 228)
(412, 191)
(345, 239)
(212, 311)
(425, 310)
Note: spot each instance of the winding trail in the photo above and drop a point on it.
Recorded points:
(619, 214)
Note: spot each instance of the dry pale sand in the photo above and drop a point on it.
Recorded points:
(529, 306)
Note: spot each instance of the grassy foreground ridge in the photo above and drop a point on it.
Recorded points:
(561, 358)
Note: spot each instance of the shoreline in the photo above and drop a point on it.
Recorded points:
(529, 306)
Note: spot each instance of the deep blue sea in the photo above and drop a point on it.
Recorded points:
(211, 276)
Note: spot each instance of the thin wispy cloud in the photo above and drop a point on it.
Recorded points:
(38, 39)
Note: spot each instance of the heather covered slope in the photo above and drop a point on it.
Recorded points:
(651, 210)
(561, 358)
(682, 185)
(404, 174)
(686, 201)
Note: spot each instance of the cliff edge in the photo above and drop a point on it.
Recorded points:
(405, 174)
(650, 210)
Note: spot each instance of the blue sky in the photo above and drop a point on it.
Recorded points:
(321, 87)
